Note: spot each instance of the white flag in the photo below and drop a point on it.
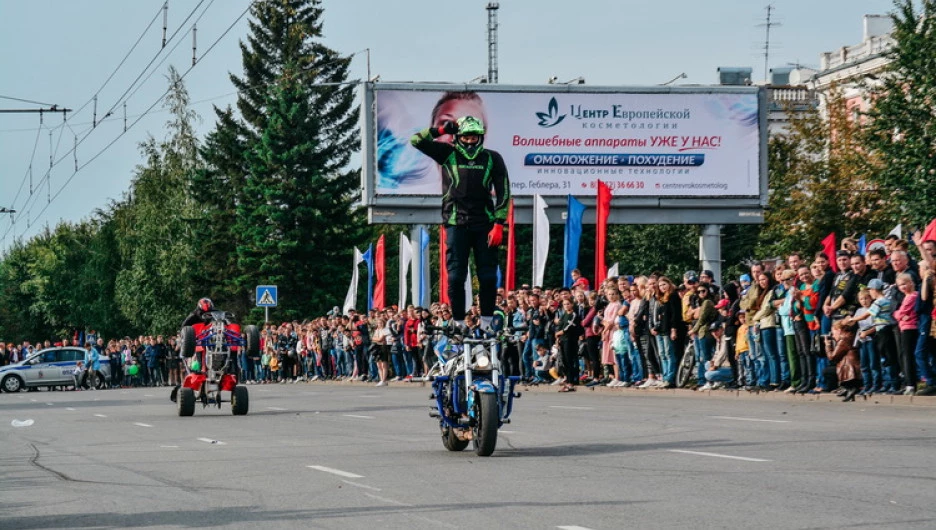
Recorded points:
(613, 271)
(468, 297)
(352, 289)
(406, 256)
(540, 239)
(897, 231)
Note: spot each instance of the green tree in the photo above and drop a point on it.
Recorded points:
(154, 288)
(295, 218)
(901, 129)
(820, 182)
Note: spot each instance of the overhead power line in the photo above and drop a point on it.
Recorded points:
(94, 97)
(54, 196)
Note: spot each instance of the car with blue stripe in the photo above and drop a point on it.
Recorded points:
(49, 367)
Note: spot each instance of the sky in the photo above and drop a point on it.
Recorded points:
(62, 52)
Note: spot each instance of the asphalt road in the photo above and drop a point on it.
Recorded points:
(353, 456)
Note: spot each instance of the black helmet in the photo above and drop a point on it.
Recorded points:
(205, 305)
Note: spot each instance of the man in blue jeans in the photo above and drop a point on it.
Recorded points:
(536, 333)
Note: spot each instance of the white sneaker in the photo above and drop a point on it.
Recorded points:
(647, 384)
(382, 383)
(703, 388)
(314, 378)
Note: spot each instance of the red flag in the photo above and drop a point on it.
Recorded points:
(828, 248)
(510, 280)
(601, 232)
(380, 271)
(443, 267)
(930, 233)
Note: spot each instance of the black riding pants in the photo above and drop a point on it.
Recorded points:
(462, 240)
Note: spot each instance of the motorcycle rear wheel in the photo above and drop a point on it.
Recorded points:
(451, 442)
(485, 430)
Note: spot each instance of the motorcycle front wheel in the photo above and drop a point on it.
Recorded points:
(485, 429)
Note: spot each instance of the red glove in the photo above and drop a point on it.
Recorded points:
(496, 235)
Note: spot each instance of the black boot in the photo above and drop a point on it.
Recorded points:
(808, 384)
(850, 395)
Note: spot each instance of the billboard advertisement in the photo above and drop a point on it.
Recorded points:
(655, 144)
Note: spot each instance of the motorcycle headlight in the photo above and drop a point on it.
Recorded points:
(482, 362)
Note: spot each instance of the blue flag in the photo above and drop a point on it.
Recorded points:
(423, 266)
(862, 245)
(573, 233)
(500, 278)
(368, 258)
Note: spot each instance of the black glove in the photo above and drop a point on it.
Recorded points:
(448, 127)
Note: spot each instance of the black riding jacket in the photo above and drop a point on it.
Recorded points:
(467, 183)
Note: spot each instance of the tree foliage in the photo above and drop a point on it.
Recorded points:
(820, 182)
(901, 129)
(294, 220)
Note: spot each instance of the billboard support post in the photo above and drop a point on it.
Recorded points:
(710, 250)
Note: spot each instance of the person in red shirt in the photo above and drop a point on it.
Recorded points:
(411, 342)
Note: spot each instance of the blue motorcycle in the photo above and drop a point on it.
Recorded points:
(473, 397)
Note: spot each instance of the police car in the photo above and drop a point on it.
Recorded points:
(49, 367)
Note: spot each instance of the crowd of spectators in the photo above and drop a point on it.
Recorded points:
(788, 325)
(143, 361)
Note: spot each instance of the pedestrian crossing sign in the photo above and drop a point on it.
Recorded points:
(266, 296)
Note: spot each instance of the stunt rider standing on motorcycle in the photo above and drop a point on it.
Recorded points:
(473, 219)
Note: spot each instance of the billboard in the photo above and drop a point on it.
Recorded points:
(656, 143)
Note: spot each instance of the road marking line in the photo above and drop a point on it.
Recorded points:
(69, 408)
(275, 408)
(147, 395)
(573, 528)
(50, 404)
(509, 432)
(748, 419)
(169, 446)
(142, 424)
(210, 441)
(334, 471)
(100, 416)
(359, 485)
(716, 455)
(570, 408)
(362, 417)
(34, 400)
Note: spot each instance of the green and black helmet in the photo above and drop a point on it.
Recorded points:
(469, 126)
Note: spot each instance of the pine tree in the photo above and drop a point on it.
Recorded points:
(902, 121)
(284, 162)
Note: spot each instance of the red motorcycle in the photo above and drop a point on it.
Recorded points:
(215, 345)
